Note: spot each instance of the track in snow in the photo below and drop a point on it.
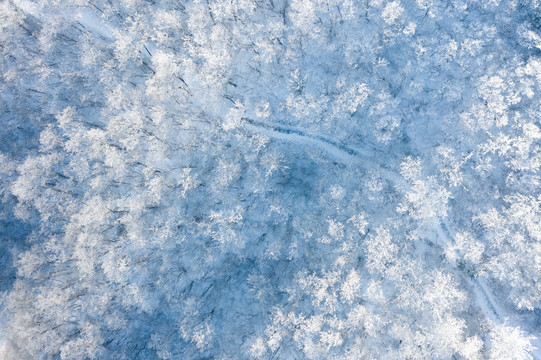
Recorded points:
(348, 155)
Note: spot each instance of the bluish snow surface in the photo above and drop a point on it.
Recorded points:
(270, 179)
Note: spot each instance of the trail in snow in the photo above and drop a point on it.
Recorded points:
(314, 138)
(348, 155)
(485, 298)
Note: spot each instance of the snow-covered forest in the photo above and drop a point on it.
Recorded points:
(270, 179)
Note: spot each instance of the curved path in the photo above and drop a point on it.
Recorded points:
(348, 155)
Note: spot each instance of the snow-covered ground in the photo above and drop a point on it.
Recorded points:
(281, 179)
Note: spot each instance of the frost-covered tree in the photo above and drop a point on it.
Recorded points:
(238, 179)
